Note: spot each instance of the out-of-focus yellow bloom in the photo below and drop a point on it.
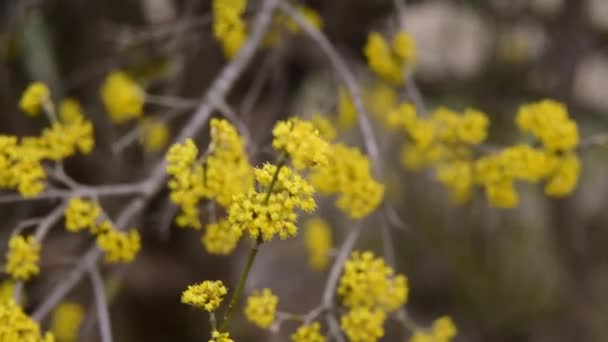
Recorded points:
(363, 325)
(264, 215)
(347, 174)
(16, 326)
(282, 24)
(261, 308)
(369, 282)
(548, 120)
(22, 257)
(381, 99)
(347, 113)
(227, 168)
(308, 333)
(565, 176)
(389, 62)
(207, 295)
(186, 183)
(228, 26)
(81, 214)
(220, 238)
(7, 290)
(301, 141)
(458, 178)
(122, 97)
(66, 321)
(317, 238)
(326, 128)
(119, 246)
(70, 111)
(217, 336)
(154, 134)
(34, 98)
(443, 330)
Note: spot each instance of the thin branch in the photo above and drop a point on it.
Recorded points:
(218, 90)
(369, 139)
(171, 101)
(336, 269)
(229, 114)
(83, 190)
(105, 327)
(334, 327)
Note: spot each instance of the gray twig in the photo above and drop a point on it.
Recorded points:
(105, 327)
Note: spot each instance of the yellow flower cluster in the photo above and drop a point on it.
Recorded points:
(154, 134)
(220, 238)
(363, 324)
(261, 308)
(308, 333)
(548, 121)
(217, 336)
(21, 160)
(207, 295)
(225, 173)
(187, 182)
(368, 282)
(70, 110)
(66, 321)
(7, 290)
(282, 23)
(122, 97)
(22, 257)
(117, 245)
(263, 214)
(347, 174)
(443, 330)
(324, 126)
(347, 112)
(229, 28)
(16, 326)
(81, 214)
(227, 169)
(34, 98)
(317, 238)
(301, 141)
(390, 60)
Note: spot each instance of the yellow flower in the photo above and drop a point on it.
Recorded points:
(404, 47)
(326, 128)
(458, 178)
(217, 336)
(70, 111)
(565, 177)
(264, 216)
(363, 325)
(22, 257)
(187, 182)
(347, 173)
(367, 282)
(473, 127)
(227, 168)
(81, 214)
(119, 246)
(308, 333)
(16, 326)
(301, 141)
(207, 295)
(381, 99)
(401, 116)
(261, 308)
(548, 120)
(34, 98)
(317, 238)
(228, 26)
(347, 113)
(381, 59)
(122, 97)
(443, 330)
(154, 134)
(220, 238)
(389, 61)
(7, 290)
(66, 321)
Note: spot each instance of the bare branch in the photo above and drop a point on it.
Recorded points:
(105, 327)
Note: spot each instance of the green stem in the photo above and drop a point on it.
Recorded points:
(212, 321)
(241, 284)
(49, 110)
(252, 254)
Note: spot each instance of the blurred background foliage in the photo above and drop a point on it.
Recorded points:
(534, 273)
